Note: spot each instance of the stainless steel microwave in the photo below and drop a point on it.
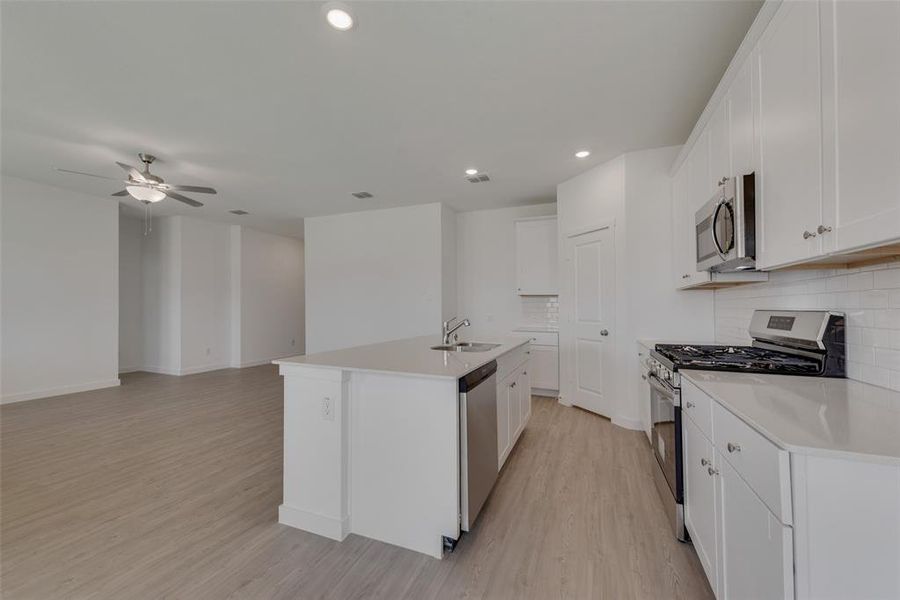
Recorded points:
(726, 227)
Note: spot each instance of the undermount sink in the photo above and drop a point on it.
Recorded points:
(466, 347)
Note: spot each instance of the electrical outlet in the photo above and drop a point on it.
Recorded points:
(327, 409)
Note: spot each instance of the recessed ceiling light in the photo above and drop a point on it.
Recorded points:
(582, 154)
(339, 17)
(471, 171)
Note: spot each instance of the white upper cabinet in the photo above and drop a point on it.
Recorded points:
(742, 129)
(719, 149)
(861, 99)
(790, 137)
(536, 257)
(684, 261)
(813, 108)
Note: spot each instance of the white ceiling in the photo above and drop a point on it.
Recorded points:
(287, 117)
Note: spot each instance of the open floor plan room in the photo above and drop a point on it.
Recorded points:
(167, 486)
(450, 299)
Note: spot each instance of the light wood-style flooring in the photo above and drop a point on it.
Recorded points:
(168, 487)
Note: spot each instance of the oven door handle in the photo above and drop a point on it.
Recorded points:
(660, 387)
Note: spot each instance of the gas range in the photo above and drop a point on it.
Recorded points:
(784, 342)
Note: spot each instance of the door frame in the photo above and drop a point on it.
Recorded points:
(566, 339)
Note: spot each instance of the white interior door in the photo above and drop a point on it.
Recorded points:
(590, 275)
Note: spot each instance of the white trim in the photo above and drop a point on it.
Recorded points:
(626, 423)
(179, 372)
(539, 218)
(59, 391)
(759, 25)
(592, 228)
(330, 527)
(549, 393)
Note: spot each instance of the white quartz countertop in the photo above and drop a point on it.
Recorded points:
(411, 356)
(811, 415)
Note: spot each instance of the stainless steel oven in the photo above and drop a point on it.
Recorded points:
(665, 418)
(726, 227)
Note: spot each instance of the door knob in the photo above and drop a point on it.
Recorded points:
(808, 234)
(604, 332)
(823, 229)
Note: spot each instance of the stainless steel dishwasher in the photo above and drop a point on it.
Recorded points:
(478, 464)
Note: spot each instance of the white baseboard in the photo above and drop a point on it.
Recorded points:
(545, 392)
(59, 391)
(178, 372)
(335, 529)
(633, 424)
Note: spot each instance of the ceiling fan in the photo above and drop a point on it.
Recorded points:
(147, 187)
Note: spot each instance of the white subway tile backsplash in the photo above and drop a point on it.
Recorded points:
(870, 297)
(540, 310)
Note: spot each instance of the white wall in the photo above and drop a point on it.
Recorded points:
(271, 297)
(131, 299)
(218, 296)
(59, 304)
(161, 284)
(205, 295)
(634, 192)
(487, 269)
(449, 266)
(373, 276)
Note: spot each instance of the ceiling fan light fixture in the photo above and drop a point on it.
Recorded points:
(145, 194)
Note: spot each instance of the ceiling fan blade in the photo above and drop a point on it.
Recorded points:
(132, 172)
(122, 193)
(199, 189)
(185, 199)
(83, 173)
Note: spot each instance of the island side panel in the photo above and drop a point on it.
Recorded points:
(316, 451)
(405, 460)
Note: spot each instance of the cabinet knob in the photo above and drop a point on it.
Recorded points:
(733, 447)
(513, 384)
(808, 234)
(689, 404)
(524, 372)
(823, 229)
(604, 332)
(704, 462)
(685, 276)
(644, 377)
(712, 472)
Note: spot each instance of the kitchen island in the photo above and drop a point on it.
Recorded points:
(372, 437)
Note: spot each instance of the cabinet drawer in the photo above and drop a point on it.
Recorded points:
(540, 338)
(506, 363)
(698, 406)
(764, 466)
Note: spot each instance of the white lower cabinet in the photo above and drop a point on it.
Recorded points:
(745, 549)
(757, 556)
(513, 401)
(700, 511)
(545, 367)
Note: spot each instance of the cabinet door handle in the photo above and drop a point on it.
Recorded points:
(823, 229)
(733, 447)
(712, 472)
(704, 462)
(513, 384)
(689, 404)
(808, 234)
(604, 332)
(685, 276)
